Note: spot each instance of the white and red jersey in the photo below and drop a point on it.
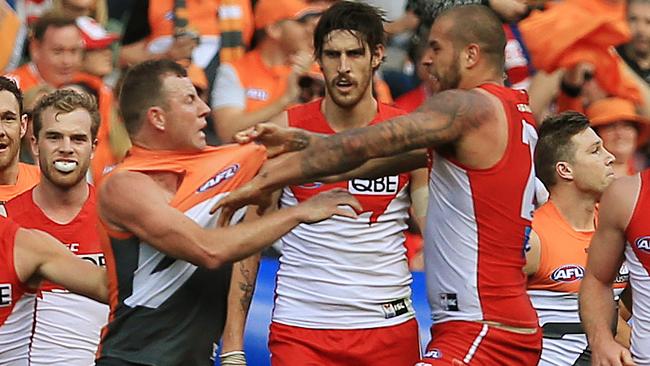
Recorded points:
(344, 273)
(66, 326)
(637, 254)
(16, 303)
(554, 287)
(478, 224)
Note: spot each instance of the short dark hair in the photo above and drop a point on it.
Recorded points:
(11, 86)
(142, 89)
(554, 143)
(51, 19)
(481, 25)
(360, 19)
(66, 101)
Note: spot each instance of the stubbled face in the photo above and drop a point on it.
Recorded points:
(441, 58)
(64, 146)
(347, 64)
(185, 114)
(592, 164)
(59, 55)
(620, 138)
(638, 16)
(12, 128)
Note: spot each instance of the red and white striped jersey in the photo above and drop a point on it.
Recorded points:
(16, 302)
(637, 254)
(344, 273)
(478, 225)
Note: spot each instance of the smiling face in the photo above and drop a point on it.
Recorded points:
(184, 113)
(348, 65)
(64, 146)
(12, 128)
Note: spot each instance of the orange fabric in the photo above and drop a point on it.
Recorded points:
(382, 91)
(198, 169)
(201, 14)
(567, 103)
(574, 31)
(234, 24)
(263, 84)
(28, 177)
(9, 27)
(269, 12)
(609, 110)
(26, 77)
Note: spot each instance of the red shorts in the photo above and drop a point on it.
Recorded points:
(460, 343)
(396, 345)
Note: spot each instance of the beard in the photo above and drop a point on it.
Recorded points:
(63, 180)
(350, 99)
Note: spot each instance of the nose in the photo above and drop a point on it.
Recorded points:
(344, 65)
(609, 157)
(204, 109)
(65, 147)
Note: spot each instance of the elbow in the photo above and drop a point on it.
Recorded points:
(211, 259)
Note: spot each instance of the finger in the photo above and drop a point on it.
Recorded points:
(216, 207)
(345, 212)
(626, 358)
(224, 217)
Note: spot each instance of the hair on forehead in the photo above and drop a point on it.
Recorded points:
(66, 101)
(477, 24)
(11, 86)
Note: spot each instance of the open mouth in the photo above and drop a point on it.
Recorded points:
(65, 166)
(344, 85)
(3, 146)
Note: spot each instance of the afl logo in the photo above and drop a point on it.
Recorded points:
(643, 243)
(225, 174)
(568, 273)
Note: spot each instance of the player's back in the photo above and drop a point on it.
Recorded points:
(637, 255)
(16, 303)
(478, 225)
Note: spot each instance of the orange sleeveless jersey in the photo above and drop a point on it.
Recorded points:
(563, 253)
(28, 177)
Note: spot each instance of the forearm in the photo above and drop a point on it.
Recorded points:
(381, 167)
(227, 127)
(597, 310)
(242, 286)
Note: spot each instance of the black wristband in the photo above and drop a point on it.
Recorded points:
(570, 90)
(485, 2)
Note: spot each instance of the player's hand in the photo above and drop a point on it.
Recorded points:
(509, 10)
(277, 140)
(610, 353)
(327, 204)
(248, 194)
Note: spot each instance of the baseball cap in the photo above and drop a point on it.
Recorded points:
(94, 35)
(269, 12)
(609, 110)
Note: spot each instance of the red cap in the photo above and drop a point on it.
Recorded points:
(94, 35)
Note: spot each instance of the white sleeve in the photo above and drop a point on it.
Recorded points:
(227, 90)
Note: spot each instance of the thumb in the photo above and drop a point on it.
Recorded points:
(626, 358)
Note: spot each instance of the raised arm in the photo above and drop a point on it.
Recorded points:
(597, 310)
(170, 231)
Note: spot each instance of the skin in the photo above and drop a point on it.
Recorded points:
(58, 55)
(621, 139)
(12, 129)
(98, 62)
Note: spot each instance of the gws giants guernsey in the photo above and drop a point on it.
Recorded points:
(166, 311)
(553, 289)
(637, 255)
(477, 225)
(344, 273)
(16, 303)
(67, 326)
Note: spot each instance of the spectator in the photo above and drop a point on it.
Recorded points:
(265, 81)
(637, 52)
(98, 56)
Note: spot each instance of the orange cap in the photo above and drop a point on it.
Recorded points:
(197, 75)
(269, 12)
(609, 110)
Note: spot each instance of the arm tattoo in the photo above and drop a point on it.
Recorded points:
(299, 140)
(247, 286)
(441, 121)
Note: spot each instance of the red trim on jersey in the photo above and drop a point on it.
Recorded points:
(637, 232)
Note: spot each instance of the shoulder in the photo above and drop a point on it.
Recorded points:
(620, 200)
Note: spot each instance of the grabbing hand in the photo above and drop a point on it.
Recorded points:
(182, 48)
(248, 194)
(277, 140)
(327, 204)
(610, 354)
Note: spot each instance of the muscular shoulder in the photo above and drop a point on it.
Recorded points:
(619, 200)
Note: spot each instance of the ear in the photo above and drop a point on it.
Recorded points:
(156, 118)
(470, 55)
(273, 31)
(23, 125)
(93, 147)
(378, 56)
(564, 170)
(34, 49)
(33, 144)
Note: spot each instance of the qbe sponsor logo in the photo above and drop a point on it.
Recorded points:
(5, 294)
(568, 273)
(643, 243)
(378, 187)
(223, 175)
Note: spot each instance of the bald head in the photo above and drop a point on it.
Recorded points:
(476, 24)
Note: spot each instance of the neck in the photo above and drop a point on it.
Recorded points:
(577, 208)
(60, 204)
(359, 115)
(642, 59)
(272, 54)
(480, 77)
(9, 175)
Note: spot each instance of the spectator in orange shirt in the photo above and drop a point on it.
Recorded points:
(15, 177)
(264, 82)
